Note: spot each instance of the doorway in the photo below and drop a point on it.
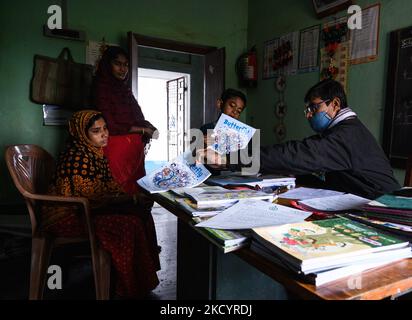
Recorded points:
(164, 97)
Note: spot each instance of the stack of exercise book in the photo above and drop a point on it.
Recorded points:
(189, 206)
(327, 250)
(225, 197)
(392, 212)
(226, 240)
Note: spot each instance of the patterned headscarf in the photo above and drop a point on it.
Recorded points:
(82, 170)
(77, 129)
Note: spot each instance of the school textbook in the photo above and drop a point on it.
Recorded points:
(320, 278)
(313, 246)
(182, 172)
(230, 135)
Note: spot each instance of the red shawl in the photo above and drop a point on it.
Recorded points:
(115, 100)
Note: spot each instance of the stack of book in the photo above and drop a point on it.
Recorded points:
(267, 183)
(225, 197)
(191, 207)
(392, 212)
(327, 250)
(226, 240)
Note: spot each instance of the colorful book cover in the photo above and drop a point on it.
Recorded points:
(400, 229)
(230, 135)
(179, 173)
(325, 240)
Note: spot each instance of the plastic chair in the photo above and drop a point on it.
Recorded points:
(408, 173)
(31, 168)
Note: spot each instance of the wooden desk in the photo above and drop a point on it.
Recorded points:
(198, 277)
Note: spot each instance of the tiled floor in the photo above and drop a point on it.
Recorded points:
(77, 279)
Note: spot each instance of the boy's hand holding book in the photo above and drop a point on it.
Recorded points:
(211, 158)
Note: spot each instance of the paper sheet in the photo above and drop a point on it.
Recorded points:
(365, 41)
(336, 203)
(303, 193)
(249, 214)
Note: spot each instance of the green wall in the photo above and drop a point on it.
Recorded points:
(366, 82)
(213, 22)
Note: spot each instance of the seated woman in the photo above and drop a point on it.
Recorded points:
(120, 226)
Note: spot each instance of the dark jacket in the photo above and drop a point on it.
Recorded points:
(347, 156)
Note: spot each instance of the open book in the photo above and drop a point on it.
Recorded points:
(230, 135)
(182, 172)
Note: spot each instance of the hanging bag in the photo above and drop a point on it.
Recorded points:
(61, 82)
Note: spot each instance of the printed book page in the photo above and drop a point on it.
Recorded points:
(180, 173)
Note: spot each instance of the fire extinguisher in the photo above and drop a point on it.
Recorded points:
(246, 68)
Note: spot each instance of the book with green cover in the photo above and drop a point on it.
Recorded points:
(393, 201)
(314, 245)
(225, 240)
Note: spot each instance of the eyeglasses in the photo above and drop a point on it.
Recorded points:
(313, 107)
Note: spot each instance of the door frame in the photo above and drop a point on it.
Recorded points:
(213, 86)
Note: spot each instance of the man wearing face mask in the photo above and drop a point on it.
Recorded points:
(342, 156)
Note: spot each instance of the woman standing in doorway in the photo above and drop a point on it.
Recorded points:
(129, 131)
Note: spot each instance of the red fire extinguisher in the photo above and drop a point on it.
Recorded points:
(246, 68)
